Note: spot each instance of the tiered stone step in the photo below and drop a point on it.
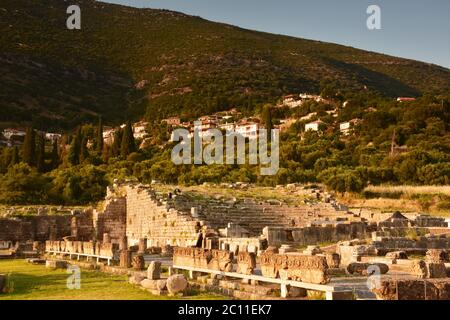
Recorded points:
(255, 216)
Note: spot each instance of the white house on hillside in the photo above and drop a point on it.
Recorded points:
(248, 130)
(346, 127)
(140, 129)
(313, 126)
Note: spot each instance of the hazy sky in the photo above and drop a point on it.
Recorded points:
(416, 29)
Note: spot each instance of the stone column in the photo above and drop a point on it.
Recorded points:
(142, 245)
(106, 238)
(74, 227)
(123, 244)
(138, 262)
(52, 233)
(125, 259)
(203, 238)
(36, 246)
(154, 270)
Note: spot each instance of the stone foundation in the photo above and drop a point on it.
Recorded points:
(310, 269)
(219, 260)
(413, 289)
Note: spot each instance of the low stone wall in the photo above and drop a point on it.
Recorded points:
(112, 219)
(397, 232)
(315, 234)
(219, 260)
(384, 245)
(236, 245)
(82, 227)
(430, 222)
(159, 222)
(413, 289)
(83, 247)
(37, 228)
(310, 269)
(246, 262)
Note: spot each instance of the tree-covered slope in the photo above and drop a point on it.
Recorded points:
(125, 61)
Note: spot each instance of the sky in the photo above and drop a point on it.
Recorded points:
(415, 29)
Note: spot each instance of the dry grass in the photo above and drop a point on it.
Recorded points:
(433, 200)
(29, 210)
(293, 196)
(384, 204)
(410, 190)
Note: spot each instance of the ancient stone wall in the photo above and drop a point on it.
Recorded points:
(310, 269)
(219, 260)
(14, 230)
(236, 245)
(413, 289)
(112, 219)
(315, 234)
(38, 228)
(107, 250)
(82, 227)
(158, 221)
(430, 222)
(387, 244)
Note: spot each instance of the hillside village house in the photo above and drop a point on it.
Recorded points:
(248, 129)
(292, 101)
(140, 129)
(172, 121)
(317, 98)
(10, 133)
(227, 127)
(52, 136)
(108, 135)
(346, 127)
(313, 126)
(405, 99)
(207, 124)
(11, 137)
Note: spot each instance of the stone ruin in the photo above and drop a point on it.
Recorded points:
(298, 267)
(310, 269)
(391, 288)
(137, 212)
(84, 247)
(219, 260)
(241, 236)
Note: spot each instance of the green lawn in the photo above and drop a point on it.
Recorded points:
(35, 282)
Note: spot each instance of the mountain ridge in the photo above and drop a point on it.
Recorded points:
(126, 61)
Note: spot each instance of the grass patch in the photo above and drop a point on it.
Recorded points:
(35, 282)
(434, 200)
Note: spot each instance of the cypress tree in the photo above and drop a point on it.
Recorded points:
(40, 163)
(15, 159)
(115, 149)
(5, 160)
(75, 148)
(106, 153)
(84, 154)
(99, 142)
(55, 156)
(128, 145)
(267, 120)
(29, 147)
